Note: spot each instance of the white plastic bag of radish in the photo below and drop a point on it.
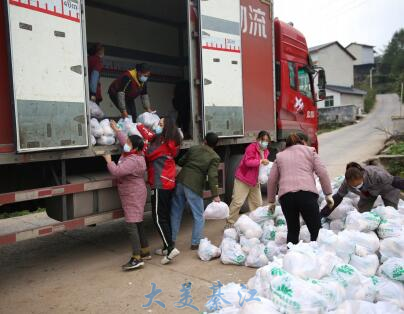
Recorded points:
(216, 210)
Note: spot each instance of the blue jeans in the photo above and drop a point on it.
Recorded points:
(181, 195)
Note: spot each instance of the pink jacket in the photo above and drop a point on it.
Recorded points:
(130, 172)
(248, 169)
(294, 170)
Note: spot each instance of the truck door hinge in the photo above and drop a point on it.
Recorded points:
(197, 82)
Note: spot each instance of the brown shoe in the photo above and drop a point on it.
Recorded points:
(194, 247)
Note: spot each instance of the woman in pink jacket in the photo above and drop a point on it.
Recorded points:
(246, 186)
(130, 172)
(293, 172)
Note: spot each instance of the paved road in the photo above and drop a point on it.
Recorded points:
(79, 271)
(360, 141)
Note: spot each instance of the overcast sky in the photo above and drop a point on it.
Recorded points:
(370, 22)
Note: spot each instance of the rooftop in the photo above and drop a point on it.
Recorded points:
(363, 45)
(346, 90)
(323, 46)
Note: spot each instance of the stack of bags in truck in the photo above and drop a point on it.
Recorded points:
(102, 133)
(355, 266)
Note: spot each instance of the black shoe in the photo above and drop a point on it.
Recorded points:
(132, 264)
(194, 247)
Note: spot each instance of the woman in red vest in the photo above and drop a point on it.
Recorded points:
(161, 173)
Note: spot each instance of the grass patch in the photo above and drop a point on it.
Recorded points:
(396, 168)
(20, 213)
(370, 100)
(396, 149)
(329, 127)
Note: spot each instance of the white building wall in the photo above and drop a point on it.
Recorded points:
(367, 55)
(337, 99)
(363, 54)
(338, 65)
(357, 100)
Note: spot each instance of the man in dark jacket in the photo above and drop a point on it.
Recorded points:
(198, 163)
(126, 88)
(368, 182)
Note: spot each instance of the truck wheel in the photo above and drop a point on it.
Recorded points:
(231, 167)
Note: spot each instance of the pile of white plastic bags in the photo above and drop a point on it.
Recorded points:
(355, 266)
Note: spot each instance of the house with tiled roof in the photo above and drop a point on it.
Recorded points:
(338, 63)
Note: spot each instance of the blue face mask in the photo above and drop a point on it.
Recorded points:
(158, 129)
(126, 148)
(143, 78)
(264, 145)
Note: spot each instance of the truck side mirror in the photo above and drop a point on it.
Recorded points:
(322, 82)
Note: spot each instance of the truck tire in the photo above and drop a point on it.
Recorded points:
(232, 164)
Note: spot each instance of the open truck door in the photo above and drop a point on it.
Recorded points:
(46, 51)
(222, 87)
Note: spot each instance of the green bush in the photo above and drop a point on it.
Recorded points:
(396, 149)
(370, 100)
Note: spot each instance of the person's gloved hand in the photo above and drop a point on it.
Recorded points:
(271, 207)
(330, 201)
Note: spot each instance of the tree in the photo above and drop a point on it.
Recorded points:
(392, 62)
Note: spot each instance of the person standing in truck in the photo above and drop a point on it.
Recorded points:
(127, 87)
(95, 66)
(246, 185)
(161, 172)
(199, 162)
(368, 182)
(292, 173)
(130, 172)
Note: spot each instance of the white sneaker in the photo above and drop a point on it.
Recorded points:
(168, 258)
(161, 252)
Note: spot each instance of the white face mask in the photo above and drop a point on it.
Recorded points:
(143, 78)
(358, 187)
(126, 148)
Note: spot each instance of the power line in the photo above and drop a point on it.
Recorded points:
(351, 8)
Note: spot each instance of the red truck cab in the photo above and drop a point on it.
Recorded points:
(295, 97)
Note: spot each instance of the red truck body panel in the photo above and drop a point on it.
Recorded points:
(258, 70)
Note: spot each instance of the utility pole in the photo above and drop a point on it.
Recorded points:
(371, 77)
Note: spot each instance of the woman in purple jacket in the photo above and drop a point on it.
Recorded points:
(130, 173)
(246, 186)
(293, 172)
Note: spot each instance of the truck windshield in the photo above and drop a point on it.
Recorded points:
(304, 83)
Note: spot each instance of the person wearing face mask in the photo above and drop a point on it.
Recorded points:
(126, 88)
(246, 185)
(130, 171)
(95, 66)
(368, 182)
(292, 175)
(161, 172)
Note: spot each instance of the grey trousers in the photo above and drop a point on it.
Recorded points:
(366, 203)
(137, 237)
